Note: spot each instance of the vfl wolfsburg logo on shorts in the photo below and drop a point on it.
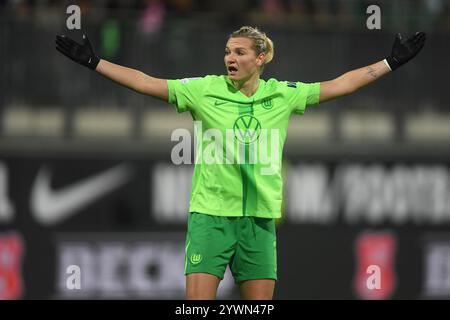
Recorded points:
(196, 258)
(247, 129)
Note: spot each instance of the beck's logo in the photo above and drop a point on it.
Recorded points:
(247, 129)
(196, 258)
(375, 277)
(11, 250)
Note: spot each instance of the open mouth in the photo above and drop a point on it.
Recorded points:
(232, 69)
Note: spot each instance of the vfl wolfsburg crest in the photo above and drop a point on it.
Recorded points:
(196, 258)
(267, 104)
(247, 129)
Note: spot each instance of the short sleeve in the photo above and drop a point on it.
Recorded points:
(301, 95)
(186, 93)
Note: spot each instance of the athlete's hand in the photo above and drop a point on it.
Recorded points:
(403, 51)
(80, 53)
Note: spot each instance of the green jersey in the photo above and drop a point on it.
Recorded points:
(239, 141)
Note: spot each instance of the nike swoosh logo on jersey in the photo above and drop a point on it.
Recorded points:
(52, 206)
(218, 102)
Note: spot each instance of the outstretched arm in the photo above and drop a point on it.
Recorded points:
(402, 52)
(130, 78)
(134, 79)
(352, 81)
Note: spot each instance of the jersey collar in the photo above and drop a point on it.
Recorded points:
(238, 92)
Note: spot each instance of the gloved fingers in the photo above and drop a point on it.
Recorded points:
(62, 44)
(398, 39)
(68, 41)
(416, 41)
(420, 33)
(419, 42)
(64, 52)
(87, 42)
(420, 38)
(416, 38)
(62, 38)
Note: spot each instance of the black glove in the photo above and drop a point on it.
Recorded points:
(403, 51)
(80, 53)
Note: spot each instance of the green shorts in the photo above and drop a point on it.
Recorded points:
(247, 244)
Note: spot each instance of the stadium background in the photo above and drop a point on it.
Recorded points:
(367, 176)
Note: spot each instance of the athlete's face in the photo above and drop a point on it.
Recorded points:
(241, 60)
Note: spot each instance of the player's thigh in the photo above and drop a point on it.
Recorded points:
(260, 289)
(201, 286)
(210, 243)
(256, 254)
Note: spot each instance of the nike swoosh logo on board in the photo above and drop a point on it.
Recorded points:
(52, 206)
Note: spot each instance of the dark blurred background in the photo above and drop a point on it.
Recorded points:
(367, 178)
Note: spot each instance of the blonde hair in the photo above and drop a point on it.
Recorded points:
(261, 42)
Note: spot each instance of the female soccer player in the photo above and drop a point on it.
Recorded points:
(237, 185)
